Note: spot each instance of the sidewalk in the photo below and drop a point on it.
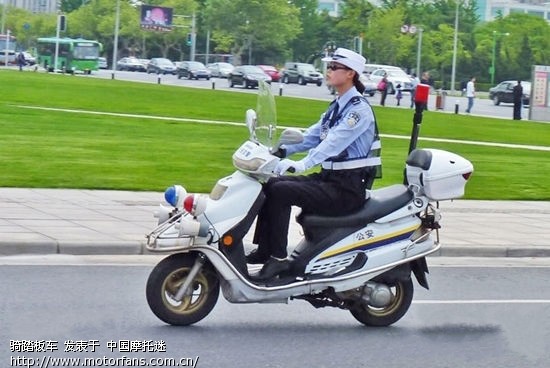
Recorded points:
(50, 221)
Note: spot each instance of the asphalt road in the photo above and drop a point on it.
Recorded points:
(478, 313)
(482, 106)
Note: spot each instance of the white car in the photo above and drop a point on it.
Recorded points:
(102, 62)
(396, 76)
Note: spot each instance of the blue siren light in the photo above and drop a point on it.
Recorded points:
(174, 195)
(170, 195)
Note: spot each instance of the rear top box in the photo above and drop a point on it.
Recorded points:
(442, 175)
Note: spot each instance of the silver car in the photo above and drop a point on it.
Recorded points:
(220, 70)
(396, 77)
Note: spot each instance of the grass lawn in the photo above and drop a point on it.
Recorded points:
(55, 149)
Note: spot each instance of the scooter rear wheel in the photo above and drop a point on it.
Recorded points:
(164, 282)
(379, 317)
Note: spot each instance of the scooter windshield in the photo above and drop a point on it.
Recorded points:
(266, 124)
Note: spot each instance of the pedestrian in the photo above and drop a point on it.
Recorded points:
(414, 84)
(470, 93)
(21, 61)
(463, 88)
(345, 142)
(426, 79)
(398, 94)
(518, 99)
(383, 88)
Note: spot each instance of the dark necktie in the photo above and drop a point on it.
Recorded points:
(334, 115)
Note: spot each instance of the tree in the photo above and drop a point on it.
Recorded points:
(316, 31)
(382, 34)
(68, 6)
(354, 21)
(267, 26)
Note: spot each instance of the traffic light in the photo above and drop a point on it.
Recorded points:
(61, 22)
(189, 39)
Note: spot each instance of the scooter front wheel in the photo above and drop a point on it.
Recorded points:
(399, 305)
(166, 279)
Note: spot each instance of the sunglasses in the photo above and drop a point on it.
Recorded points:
(334, 66)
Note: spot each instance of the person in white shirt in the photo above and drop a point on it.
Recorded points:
(470, 93)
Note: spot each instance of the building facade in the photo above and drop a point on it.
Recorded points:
(488, 10)
(35, 6)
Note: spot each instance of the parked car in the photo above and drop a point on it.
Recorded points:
(145, 62)
(130, 64)
(102, 62)
(271, 71)
(396, 76)
(161, 66)
(504, 92)
(193, 70)
(29, 58)
(301, 73)
(220, 69)
(247, 76)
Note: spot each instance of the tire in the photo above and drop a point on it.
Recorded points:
(496, 101)
(164, 282)
(380, 317)
(301, 81)
(285, 79)
(319, 84)
(190, 76)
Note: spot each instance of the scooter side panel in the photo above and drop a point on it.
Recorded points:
(366, 240)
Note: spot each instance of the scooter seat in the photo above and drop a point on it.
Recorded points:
(380, 203)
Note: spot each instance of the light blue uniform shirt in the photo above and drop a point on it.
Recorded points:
(354, 131)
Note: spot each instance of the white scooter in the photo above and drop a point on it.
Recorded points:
(361, 262)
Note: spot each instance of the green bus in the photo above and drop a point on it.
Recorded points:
(74, 54)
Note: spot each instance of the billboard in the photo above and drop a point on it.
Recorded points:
(539, 106)
(156, 18)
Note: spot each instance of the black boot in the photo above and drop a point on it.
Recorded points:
(271, 268)
(256, 257)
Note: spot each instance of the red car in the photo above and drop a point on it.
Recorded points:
(271, 71)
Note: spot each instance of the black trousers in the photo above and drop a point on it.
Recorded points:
(330, 193)
(517, 110)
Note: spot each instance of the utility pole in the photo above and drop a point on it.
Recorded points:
(115, 43)
(455, 45)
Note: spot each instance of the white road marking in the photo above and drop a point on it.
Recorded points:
(485, 301)
(202, 121)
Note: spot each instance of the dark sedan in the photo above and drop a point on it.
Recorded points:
(161, 66)
(193, 70)
(504, 92)
(247, 76)
(131, 64)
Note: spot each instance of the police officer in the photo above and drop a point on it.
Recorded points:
(345, 143)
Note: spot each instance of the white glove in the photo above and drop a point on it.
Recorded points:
(286, 164)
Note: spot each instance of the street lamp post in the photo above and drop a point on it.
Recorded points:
(492, 68)
(412, 29)
(455, 46)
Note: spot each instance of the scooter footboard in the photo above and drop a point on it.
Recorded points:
(237, 288)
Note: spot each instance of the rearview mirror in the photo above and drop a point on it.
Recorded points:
(289, 136)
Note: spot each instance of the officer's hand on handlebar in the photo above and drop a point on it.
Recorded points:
(289, 165)
(281, 152)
